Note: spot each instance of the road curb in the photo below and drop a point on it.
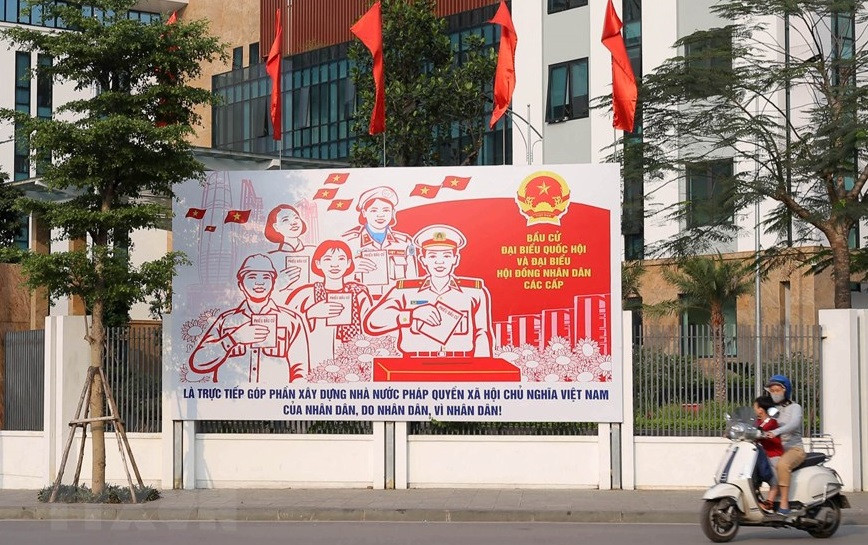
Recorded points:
(275, 514)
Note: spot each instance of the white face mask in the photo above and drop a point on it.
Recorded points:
(777, 398)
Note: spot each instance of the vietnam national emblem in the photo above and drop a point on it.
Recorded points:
(543, 197)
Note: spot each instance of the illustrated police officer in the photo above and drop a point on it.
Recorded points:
(439, 315)
(375, 232)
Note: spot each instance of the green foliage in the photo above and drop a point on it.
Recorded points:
(10, 217)
(112, 494)
(118, 152)
(706, 284)
(722, 97)
(631, 281)
(684, 419)
(434, 105)
(437, 427)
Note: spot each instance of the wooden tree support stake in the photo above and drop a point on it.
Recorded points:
(82, 420)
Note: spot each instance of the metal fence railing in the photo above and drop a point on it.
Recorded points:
(133, 366)
(24, 386)
(674, 376)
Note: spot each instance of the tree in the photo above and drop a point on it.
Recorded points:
(10, 218)
(721, 114)
(435, 97)
(118, 151)
(708, 284)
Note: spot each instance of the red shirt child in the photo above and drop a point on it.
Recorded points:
(773, 445)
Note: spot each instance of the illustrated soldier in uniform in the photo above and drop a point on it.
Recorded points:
(381, 254)
(439, 315)
(258, 341)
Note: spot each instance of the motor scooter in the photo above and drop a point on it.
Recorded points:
(734, 499)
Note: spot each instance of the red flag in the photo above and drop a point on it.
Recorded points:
(326, 193)
(423, 190)
(369, 29)
(504, 76)
(456, 182)
(196, 213)
(211, 228)
(237, 216)
(173, 18)
(340, 204)
(272, 67)
(337, 178)
(623, 81)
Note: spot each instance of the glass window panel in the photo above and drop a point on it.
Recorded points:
(557, 96)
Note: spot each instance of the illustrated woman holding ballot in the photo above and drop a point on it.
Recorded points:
(291, 257)
(335, 307)
(382, 255)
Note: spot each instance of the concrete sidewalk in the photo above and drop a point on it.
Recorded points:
(443, 505)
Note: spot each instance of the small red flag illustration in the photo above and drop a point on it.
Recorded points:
(337, 178)
(211, 228)
(326, 193)
(237, 216)
(504, 75)
(197, 213)
(457, 183)
(340, 204)
(369, 29)
(272, 67)
(424, 190)
(624, 93)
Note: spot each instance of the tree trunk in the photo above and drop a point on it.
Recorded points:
(838, 243)
(718, 356)
(97, 398)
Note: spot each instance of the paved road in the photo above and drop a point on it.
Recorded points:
(379, 533)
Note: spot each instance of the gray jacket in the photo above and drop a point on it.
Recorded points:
(789, 425)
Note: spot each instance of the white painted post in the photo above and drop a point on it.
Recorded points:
(841, 384)
(401, 453)
(167, 437)
(68, 355)
(379, 456)
(188, 448)
(628, 469)
(604, 446)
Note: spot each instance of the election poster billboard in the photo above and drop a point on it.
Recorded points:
(398, 294)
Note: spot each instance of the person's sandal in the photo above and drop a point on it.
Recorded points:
(768, 505)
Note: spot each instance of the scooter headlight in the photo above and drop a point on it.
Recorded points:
(736, 430)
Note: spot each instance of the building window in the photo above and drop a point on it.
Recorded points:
(22, 104)
(44, 87)
(253, 53)
(568, 91)
(708, 58)
(710, 193)
(563, 5)
(844, 43)
(238, 58)
(696, 335)
(633, 215)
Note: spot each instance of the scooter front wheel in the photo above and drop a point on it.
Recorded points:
(830, 514)
(720, 519)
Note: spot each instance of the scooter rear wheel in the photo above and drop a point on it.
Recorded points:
(833, 519)
(720, 519)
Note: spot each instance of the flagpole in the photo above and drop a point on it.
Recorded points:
(504, 139)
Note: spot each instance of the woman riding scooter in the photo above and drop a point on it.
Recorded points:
(790, 431)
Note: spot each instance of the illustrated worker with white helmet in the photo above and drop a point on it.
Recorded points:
(258, 341)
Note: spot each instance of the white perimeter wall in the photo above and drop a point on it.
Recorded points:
(20, 460)
(31, 459)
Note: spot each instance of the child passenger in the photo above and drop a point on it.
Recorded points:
(772, 448)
